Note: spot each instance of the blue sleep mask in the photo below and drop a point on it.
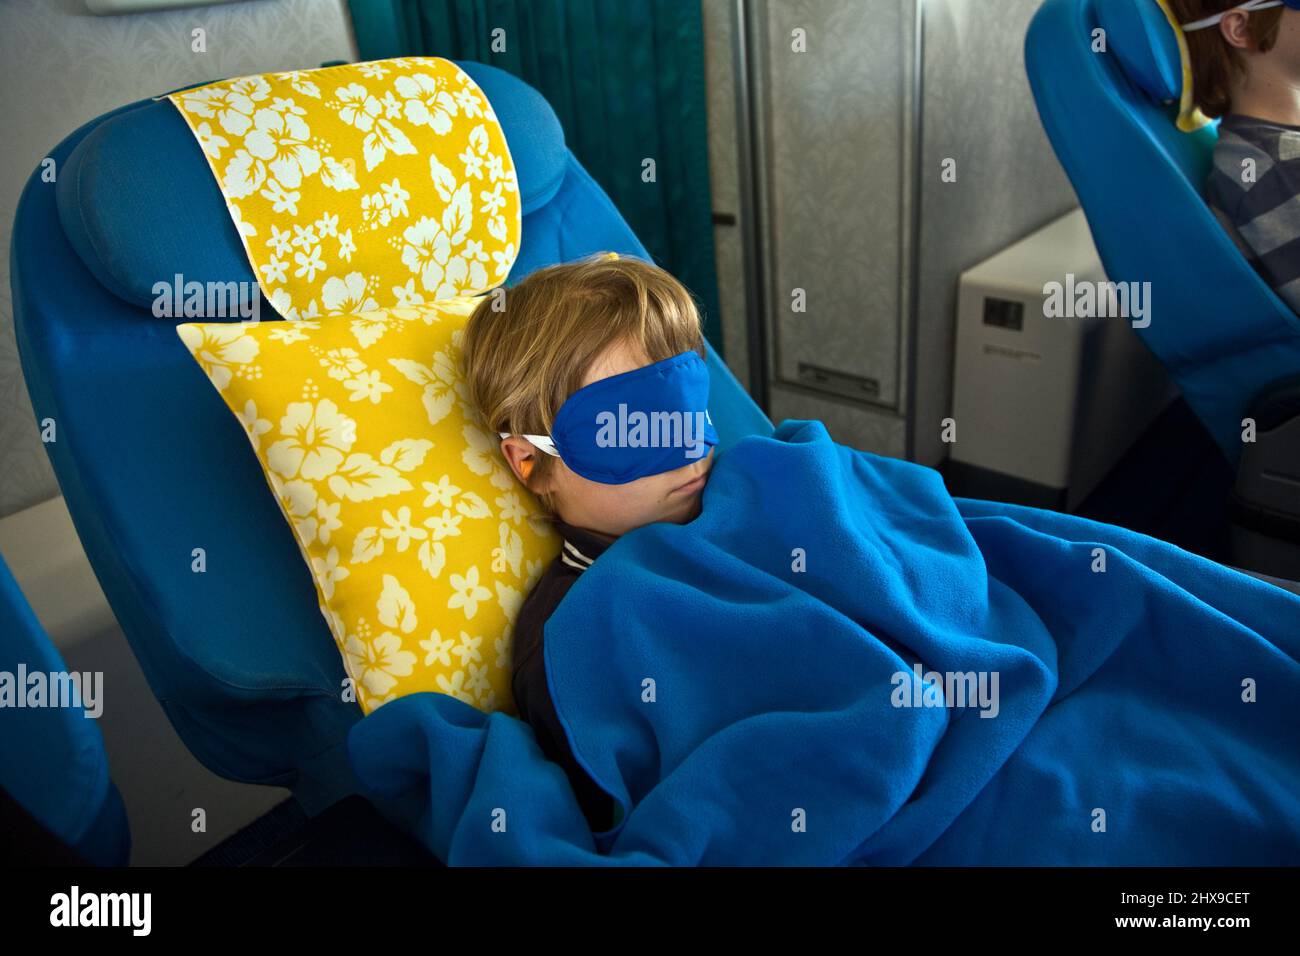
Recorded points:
(638, 423)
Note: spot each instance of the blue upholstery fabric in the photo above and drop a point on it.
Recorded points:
(1218, 328)
(1139, 34)
(535, 137)
(136, 198)
(52, 760)
(153, 466)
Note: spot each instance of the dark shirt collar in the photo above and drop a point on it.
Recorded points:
(581, 546)
(1245, 121)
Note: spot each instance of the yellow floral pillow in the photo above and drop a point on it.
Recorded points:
(362, 185)
(355, 188)
(421, 543)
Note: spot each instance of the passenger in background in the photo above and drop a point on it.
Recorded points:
(1245, 61)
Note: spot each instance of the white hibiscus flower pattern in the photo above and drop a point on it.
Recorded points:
(420, 542)
(351, 182)
(376, 201)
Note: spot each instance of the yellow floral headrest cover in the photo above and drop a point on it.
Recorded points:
(374, 201)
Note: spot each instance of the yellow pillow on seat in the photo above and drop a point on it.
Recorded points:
(421, 543)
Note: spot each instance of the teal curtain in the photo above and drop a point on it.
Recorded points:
(626, 78)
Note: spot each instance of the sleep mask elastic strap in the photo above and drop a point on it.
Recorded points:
(1250, 6)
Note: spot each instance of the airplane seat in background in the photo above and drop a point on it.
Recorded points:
(152, 465)
(52, 759)
(1231, 344)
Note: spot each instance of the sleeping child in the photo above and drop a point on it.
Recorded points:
(1245, 62)
(593, 375)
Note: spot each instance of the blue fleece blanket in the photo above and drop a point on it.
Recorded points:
(837, 662)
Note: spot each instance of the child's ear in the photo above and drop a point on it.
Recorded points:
(520, 454)
(1235, 27)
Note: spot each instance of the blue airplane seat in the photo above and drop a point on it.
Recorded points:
(52, 759)
(1231, 344)
(154, 467)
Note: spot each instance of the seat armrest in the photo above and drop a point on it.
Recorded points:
(1266, 497)
(1267, 490)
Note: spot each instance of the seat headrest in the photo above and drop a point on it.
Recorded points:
(1140, 36)
(532, 129)
(139, 204)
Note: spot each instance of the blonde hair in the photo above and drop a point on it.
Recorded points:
(522, 362)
